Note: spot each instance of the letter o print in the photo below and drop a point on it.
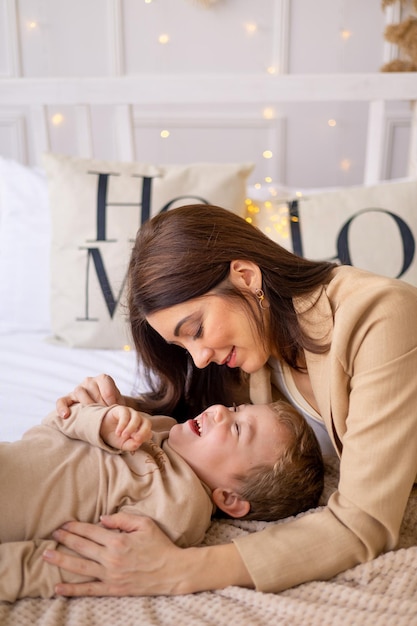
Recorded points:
(406, 234)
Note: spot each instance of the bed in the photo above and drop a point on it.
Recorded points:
(43, 353)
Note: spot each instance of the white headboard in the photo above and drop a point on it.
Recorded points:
(276, 82)
(29, 111)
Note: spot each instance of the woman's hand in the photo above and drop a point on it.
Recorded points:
(98, 390)
(141, 561)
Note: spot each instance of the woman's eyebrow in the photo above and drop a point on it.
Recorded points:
(181, 323)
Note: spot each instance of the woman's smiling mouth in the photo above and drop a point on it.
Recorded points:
(230, 361)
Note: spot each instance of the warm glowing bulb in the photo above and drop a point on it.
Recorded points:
(345, 34)
(57, 119)
(32, 25)
(163, 38)
(271, 69)
(249, 220)
(253, 208)
(268, 113)
(299, 194)
(331, 122)
(267, 154)
(345, 165)
(148, 1)
(257, 185)
(127, 348)
(268, 179)
(251, 28)
(165, 134)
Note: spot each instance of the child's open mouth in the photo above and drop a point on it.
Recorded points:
(196, 426)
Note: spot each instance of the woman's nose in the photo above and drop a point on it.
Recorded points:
(201, 356)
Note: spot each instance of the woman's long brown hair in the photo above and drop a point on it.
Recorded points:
(186, 252)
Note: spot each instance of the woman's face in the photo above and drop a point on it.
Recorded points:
(212, 329)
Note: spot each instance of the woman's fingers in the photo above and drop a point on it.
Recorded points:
(128, 523)
(82, 537)
(99, 389)
(134, 562)
(63, 404)
(109, 390)
(95, 588)
(74, 564)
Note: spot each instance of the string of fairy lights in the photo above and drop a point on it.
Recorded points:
(267, 208)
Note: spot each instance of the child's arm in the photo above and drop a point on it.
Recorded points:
(85, 424)
(124, 428)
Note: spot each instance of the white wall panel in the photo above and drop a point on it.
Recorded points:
(412, 153)
(64, 38)
(326, 144)
(9, 39)
(39, 136)
(84, 131)
(115, 30)
(389, 130)
(124, 133)
(397, 144)
(212, 136)
(13, 135)
(238, 37)
(336, 36)
(209, 84)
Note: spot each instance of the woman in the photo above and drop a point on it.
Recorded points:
(218, 311)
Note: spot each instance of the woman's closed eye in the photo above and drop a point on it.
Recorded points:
(199, 332)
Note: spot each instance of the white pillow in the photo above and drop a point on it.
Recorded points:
(97, 208)
(24, 249)
(373, 228)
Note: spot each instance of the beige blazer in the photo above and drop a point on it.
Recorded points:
(366, 390)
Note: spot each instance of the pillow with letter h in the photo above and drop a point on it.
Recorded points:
(97, 208)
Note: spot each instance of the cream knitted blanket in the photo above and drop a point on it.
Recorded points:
(381, 593)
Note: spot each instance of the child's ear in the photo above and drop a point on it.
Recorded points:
(230, 502)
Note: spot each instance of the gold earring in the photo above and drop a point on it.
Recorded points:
(259, 293)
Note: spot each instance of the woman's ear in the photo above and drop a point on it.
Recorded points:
(230, 502)
(245, 275)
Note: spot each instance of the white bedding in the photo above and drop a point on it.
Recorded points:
(35, 372)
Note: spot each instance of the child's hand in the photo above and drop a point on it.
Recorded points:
(125, 429)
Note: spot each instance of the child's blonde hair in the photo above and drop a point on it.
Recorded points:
(295, 482)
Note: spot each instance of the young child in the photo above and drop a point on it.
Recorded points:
(252, 461)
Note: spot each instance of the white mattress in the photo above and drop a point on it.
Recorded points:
(35, 372)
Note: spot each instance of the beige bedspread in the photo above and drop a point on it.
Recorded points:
(382, 592)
